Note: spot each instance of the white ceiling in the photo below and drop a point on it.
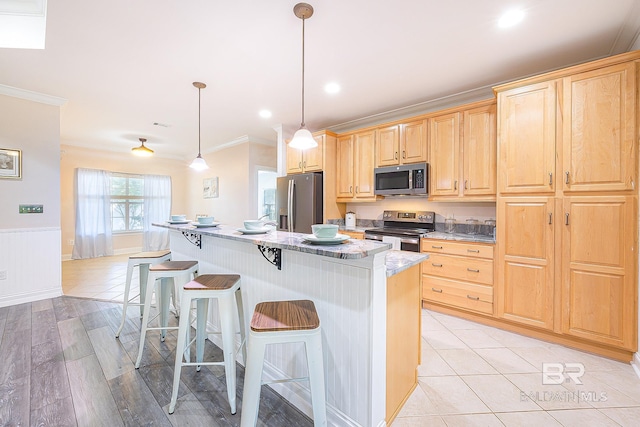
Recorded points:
(124, 65)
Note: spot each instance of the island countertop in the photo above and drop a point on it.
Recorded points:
(395, 261)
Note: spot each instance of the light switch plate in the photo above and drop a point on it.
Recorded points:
(24, 209)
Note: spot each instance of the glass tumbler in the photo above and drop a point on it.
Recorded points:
(449, 225)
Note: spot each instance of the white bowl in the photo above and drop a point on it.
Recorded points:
(205, 220)
(253, 224)
(324, 230)
(178, 217)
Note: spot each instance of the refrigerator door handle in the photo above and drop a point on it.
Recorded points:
(290, 206)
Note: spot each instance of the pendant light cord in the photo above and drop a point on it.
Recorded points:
(302, 124)
(199, 90)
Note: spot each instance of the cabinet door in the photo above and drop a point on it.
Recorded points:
(313, 158)
(527, 139)
(414, 147)
(445, 152)
(294, 160)
(598, 130)
(344, 167)
(599, 288)
(365, 159)
(479, 151)
(525, 242)
(388, 152)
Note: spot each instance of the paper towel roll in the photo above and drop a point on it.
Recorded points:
(395, 241)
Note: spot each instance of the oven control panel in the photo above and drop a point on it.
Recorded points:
(406, 216)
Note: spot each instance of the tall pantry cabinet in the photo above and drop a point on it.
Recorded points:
(567, 202)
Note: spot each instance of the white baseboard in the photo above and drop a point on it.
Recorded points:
(635, 363)
(30, 297)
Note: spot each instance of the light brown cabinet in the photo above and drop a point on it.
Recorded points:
(598, 133)
(458, 275)
(526, 260)
(567, 204)
(311, 160)
(355, 164)
(598, 275)
(527, 139)
(353, 234)
(402, 143)
(463, 153)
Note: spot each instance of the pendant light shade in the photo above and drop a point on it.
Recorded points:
(142, 151)
(303, 139)
(198, 163)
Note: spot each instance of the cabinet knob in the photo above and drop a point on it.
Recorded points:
(395, 155)
(550, 218)
(473, 298)
(436, 265)
(455, 184)
(465, 183)
(566, 177)
(566, 219)
(404, 154)
(351, 189)
(473, 270)
(436, 290)
(474, 251)
(436, 247)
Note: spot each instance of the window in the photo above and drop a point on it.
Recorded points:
(267, 194)
(127, 198)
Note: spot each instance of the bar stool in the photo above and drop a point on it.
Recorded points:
(143, 260)
(277, 322)
(181, 272)
(226, 289)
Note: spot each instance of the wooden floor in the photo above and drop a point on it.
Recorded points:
(61, 365)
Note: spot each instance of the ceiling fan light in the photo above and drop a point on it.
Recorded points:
(303, 139)
(199, 164)
(142, 151)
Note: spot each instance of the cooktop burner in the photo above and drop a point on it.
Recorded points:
(403, 223)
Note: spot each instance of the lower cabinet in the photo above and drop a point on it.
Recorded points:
(353, 234)
(459, 275)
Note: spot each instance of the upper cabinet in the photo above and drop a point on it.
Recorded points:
(311, 160)
(527, 139)
(355, 164)
(402, 143)
(463, 153)
(598, 129)
(576, 130)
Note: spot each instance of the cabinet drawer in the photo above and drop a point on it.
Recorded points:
(353, 234)
(462, 268)
(457, 248)
(458, 294)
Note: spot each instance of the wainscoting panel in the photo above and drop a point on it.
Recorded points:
(30, 259)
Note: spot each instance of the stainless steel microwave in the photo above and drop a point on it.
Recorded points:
(404, 180)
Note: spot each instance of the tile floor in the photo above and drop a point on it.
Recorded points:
(471, 374)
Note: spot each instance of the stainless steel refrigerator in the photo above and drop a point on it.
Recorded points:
(299, 202)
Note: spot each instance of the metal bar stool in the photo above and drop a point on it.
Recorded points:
(277, 322)
(180, 272)
(143, 260)
(226, 289)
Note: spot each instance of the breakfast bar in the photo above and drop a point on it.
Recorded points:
(367, 297)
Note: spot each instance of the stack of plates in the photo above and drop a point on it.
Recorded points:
(338, 238)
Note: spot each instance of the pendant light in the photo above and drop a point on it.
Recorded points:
(142, 151)
(303, 139)
(198, 163)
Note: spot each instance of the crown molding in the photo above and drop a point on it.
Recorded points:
(241, 140)
(32, 96)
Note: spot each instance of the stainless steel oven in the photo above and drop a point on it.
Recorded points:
(406, 227)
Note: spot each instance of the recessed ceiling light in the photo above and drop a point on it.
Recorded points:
(332, 87)
(265, 114)
(511, 18)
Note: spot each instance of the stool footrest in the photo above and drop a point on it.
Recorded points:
(286, 380)
(203, 364)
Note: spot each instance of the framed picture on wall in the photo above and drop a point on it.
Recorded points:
(210, 187)
(10, 163)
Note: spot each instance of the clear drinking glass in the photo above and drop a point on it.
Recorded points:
(472, 226)
(449, 225)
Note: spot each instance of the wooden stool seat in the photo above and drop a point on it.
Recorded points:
(213, 282)
(151, 254)
(168, 266)
(273, 316)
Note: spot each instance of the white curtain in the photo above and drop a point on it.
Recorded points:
(93, 214)
(157, 208)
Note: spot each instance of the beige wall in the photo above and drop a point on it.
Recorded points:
(77, 157)
(33, 128)
(235, 168)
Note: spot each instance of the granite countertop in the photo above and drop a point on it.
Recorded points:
(476, 238)
(350, 249)
(396, 261)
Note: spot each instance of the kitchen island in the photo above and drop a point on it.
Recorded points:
(363, 293)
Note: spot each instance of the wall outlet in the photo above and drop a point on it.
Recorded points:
(27, 209)
(3, 275)
(71, 242)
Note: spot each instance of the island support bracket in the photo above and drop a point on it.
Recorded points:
(273, 255)
(193, 238)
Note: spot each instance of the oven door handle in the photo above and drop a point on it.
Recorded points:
(407, 240)
(373, 237)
